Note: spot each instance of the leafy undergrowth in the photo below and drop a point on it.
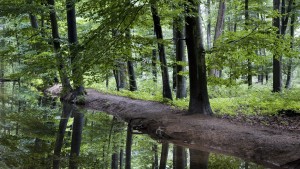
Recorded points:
(225, 101)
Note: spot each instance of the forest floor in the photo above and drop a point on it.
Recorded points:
(271, 141)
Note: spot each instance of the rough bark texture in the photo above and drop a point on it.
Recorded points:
(199, 102)
(167, 93)
(263, 145)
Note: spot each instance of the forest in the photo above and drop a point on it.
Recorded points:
(188, 79)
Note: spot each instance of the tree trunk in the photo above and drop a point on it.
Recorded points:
(67, 108)
(60, 63)
(290, 62)
(179, 157)
(131, 74)
(249, 64)
(198, 159)
(164, 155)
(128, 147)
(77, 72)
(167, 93)
(199, 101)
(153, 62)
(277, 75)
(218, 31)
(180, 57)
(208, 25)
(76, 138)
(114, 161)
(155, 160)
(121, 158)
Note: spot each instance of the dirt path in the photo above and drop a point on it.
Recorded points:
(270, 147)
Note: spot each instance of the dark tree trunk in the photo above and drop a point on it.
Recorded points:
(199, 101)
(249, 77)
(155, 160)
(179, 157)
(122, 71)
(114, 160)
(77, 72)
(67, 108)
(56, 43)
(180, 57)
(277, 67)
(167, 93)
(128, 147)
(290, 62)
(164, 155)
(154, 69)
(117, 79)
(76, 138)
(131, 74)
(121, 158)
(198, 159)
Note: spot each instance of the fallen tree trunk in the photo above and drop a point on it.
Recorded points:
(270, 147)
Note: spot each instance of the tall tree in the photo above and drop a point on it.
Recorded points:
(60, 62)
(131, 73)
(277, 67)
(249, 77)
(292, 34)
(167, 93)
(77, 72)
(199, 101)
(76, 138)
(178, 28)
(219, 30)
(128, 147)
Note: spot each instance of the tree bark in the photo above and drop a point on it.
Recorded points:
(167, 93)
(60, 63)
(155, 159)
(198, 159)
(153, 62)
(180, 56)
(249, 77)
(164, 155)
(76, 138)
(179, 157)
(290, 62)
(67, 108)
(277, 66)
(131, 73)
(128, 147)
(199, 101)
(218, 31)
(77, 72)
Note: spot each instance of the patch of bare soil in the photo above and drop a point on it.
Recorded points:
(250, 138)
